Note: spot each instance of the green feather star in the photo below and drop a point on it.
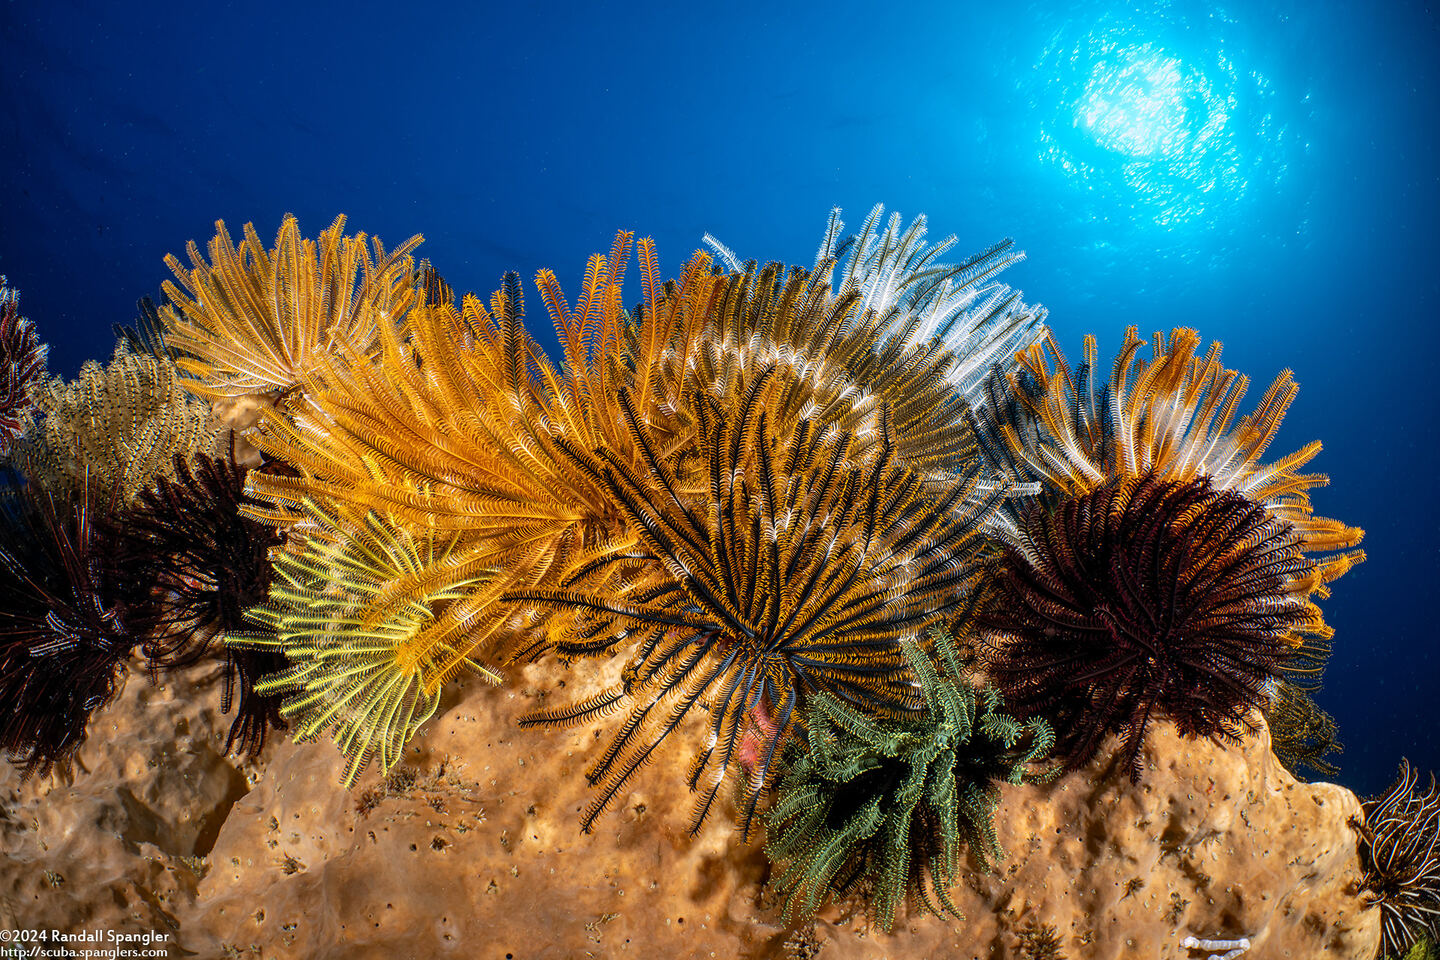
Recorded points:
(886, 805)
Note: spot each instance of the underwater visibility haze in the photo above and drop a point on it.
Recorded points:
(1264, 174)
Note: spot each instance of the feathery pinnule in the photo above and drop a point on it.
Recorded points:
(890, 805)
(185, 540)
(799, 564)
(838, 368)
(1301, 734)
(958, 309)
(1172, 416)
(22, 368)
(369, 683)
(461, 426)
(253, 321)
(1400, 861)
(114, 428)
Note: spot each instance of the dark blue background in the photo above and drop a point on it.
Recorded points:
(523, 136)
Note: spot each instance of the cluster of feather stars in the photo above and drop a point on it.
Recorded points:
(771, 494)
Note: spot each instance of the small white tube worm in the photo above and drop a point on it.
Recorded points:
(1235, 947)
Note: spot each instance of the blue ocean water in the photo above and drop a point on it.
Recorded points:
(1264, 173)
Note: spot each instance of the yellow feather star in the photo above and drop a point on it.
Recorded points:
(458, 427)
(363, 680)
(457, 422)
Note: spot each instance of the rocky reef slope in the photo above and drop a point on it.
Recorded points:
(471, 849)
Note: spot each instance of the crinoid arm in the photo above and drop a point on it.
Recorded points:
(355, 666)
(833, 363)
(462, 425)
(1173, 415)
(66, 626)
(257, 321)
(889, 805)
(22, 368)
(1301, 734)
(1147, 598)
(1399, 847)
(114, 428)
(147, 334)
(789, 570)
(899, 276)
(186, 538)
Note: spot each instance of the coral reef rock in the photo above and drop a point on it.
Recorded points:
(240, 414)
(117, 837)
(470, 848)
